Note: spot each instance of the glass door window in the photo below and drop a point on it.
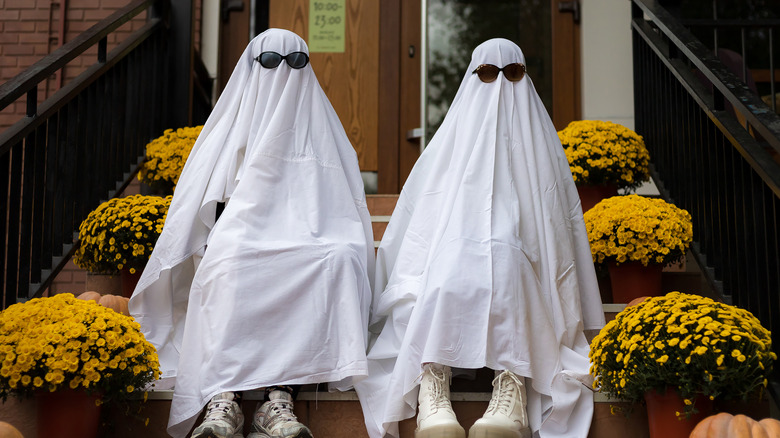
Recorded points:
(455, 27)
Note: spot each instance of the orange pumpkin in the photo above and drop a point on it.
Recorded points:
(725, 425)
(115, 303)
(8, 431)
(90, 295)
(636, 301)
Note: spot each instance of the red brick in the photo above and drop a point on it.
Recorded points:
(74, 14)
(14, 50)
(7, 61)
(34, 14)
(8, 38)
(79, 276)
(41, 50)
(9, 14)
(26, 61)
(96, 15)
(19, 26)
(113, 4)
(8, 119)
(19, 4)
(32, 38)
(78, 26)
(84, 4)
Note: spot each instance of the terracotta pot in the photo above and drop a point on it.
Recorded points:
(590, 195)
(662, 419)
(632, 280)
(67, 414)
(129, 281)
(104, 283)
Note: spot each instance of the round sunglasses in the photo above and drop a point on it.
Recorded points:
(488, 72)
(272, 59)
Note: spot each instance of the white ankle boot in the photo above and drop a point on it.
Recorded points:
(506, 416)
(435, 418)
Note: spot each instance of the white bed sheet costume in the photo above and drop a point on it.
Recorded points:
(486, 261)
(278, 290)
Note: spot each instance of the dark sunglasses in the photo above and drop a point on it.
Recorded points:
(273, 59)
(489, 72)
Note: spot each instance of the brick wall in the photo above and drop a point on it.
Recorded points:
(31, 29)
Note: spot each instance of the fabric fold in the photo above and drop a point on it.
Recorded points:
(485, 261)
(278, 289)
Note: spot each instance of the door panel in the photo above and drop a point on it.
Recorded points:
(350, 79)
(375, 84)
(233, 37)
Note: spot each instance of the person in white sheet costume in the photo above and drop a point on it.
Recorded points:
(277, 290)
(485, 263)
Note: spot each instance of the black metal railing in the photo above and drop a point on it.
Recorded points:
(79, 147)
(725, 173)
(747, 47)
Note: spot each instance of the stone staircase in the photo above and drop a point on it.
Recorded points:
(337, 415)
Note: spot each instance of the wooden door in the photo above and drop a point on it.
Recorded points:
(234, 35)
(375, 83)
(350, 78)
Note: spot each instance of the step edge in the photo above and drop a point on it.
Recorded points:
(257, 395)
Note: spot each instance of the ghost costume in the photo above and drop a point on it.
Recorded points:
(486, 261)
(278, 290)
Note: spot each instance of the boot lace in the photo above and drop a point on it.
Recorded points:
(440, 381)
(506, 382)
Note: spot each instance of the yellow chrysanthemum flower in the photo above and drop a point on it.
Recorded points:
(601, 152)
(631, 354)
(62, 342)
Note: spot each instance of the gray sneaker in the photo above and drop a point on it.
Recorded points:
(223, 419)
(275, 419)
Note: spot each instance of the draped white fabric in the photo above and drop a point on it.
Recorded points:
(486, 262)
(278, 290)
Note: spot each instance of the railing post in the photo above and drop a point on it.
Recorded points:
(181, 56)
(32, 102)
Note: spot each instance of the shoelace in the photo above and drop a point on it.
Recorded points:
(218, 410)
(438, 400)
(282, 413)
(502, 402)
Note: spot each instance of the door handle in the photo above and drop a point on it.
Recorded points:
(573, 7)
(228, 6)
(414, 134)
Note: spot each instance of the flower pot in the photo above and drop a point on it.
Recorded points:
(631, 280)
(67, 413)
(591, 195)
(662, 417)
(129, 281)
(104, 284)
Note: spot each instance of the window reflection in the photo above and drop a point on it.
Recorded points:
(456, 27)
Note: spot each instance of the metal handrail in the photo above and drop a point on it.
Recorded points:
(725, 173)
(757, 113)
(28, 80)
(80, 146)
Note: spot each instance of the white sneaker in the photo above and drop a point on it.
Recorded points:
(223, 419)
(275, 419)
(435, 418)
(506, 416)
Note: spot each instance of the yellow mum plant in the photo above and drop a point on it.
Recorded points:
(605, 153)
(121, 233)
(61, 342)
(165, 157)
(636, 228)
(689, 343)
